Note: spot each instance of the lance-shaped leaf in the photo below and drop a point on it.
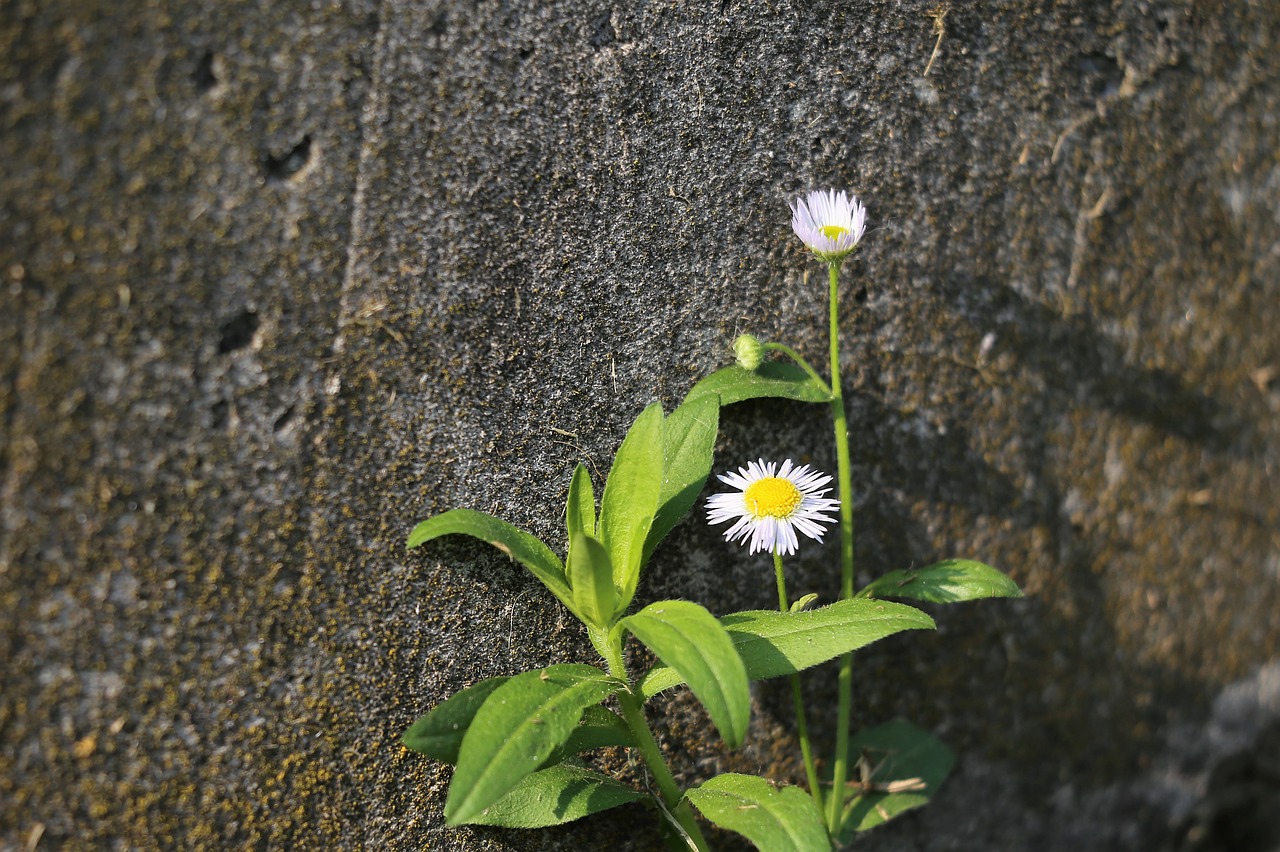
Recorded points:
(771, 379)
(897, 767)
(439, 733)
(631, 499)
(527, 549)
(946, 582)
(780, 643)
(592, 576)
(517, 728)
(775, 819)
(693, 644)
(554, 796)
(688, 450)
(599, 727)
(580, 510)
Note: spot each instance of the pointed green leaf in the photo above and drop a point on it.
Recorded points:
(692, 643)
(554, 796)
(599, 727)
(803, 603)
(775, 819)
(946, 582)
(776, 643)
(592, 576)
(517, 728)
(631, 498)
(439, 733)
(772, 378)
(528, 550)
(689, 443)
(580, 511)
(897, 767)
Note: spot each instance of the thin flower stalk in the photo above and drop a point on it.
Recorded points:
(831, 225)
(797, 698)
(800, 362)
(844, 476)
(769, 505)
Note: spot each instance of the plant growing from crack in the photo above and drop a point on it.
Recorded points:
(517, 742)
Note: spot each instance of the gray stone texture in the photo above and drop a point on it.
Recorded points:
(281, 279)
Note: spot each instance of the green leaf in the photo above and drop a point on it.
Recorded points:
(631, 499)
(554, 796)
(775, 819)
(517, 728)
(592, 576)
(772, 378)
(688, 450)
(580, 511)
(598, 728)
(528, 550)
(894, 756)
(776, 643)
(803, 603)
(946, 582)
(439, 733)
(692, 643)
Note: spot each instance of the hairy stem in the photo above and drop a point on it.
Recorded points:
(633, 713)
(802, 726)
(800, 361)
(840, 766)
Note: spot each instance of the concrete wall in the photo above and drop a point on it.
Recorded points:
(281, 279)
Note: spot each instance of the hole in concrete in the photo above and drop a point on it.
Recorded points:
(204, 76)
(218, 413)
(237, 332)
(1100, 75)
(283, 420)
(285, 580)
(285, 167)
(602, 32)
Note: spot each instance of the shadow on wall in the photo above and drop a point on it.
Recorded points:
(1046, 684)
(1072, 688)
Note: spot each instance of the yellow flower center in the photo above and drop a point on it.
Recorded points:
(772, 497)
(833, 232)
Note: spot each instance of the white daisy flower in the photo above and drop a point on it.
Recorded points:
(830, 223)
(771, 503)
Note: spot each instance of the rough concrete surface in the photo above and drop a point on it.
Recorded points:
(281, 279)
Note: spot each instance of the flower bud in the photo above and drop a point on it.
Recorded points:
(749, 351)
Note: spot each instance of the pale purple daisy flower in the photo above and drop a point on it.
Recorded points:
(830, 223)
(771, 504)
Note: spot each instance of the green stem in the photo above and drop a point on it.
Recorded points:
(802, 726)
(633, 713)
(783, 606)
(799, 359)
(840, 767)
